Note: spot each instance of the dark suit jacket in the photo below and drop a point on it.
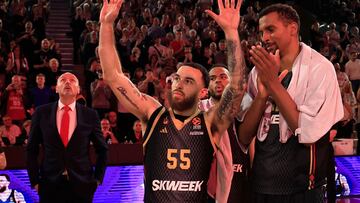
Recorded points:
(75, 157)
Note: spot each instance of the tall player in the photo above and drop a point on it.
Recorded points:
(179, 141)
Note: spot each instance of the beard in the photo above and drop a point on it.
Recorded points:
(213, 95)
(183, 105)
(2, 189)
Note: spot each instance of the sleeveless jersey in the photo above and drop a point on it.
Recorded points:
(291, 167)
(240, 186)
(11, 198)
(177, 158)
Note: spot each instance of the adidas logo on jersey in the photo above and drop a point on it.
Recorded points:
(164, 131)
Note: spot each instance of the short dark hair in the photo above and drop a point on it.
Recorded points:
(219, 65)
(202, 69)
(6, 176)
(287, 13)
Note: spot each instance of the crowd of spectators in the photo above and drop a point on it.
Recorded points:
(152, 37)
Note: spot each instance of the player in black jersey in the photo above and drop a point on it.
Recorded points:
(291, 117)
(238, 188)
(179, 141)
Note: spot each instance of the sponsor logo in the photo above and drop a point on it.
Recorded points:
(196, 133)
(164, 130)
(171, 185)
(237, 168)
(275, 119)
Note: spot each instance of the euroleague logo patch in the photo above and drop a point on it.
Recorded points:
(196, 121)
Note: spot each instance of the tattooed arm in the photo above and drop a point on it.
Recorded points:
(228, 19)
(142, 106)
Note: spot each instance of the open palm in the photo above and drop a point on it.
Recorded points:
(110, 11)
(229, 16)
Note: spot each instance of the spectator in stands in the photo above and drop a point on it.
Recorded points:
(137, 130)
(166, 23)
(90, 44)
(145, 18)
(43, 56)
(41, 94)
(139, 75)
(155, 31)
(17, 63)
(27, 42)
(7, 194)
(17, 11)
(5, 38)
(134, 60)
(178, 45)
(345, 130)
(151, 85)
(157, 49)
(344, 35)
(25, 132)
(333, 36)
(77, 26)
(180, 25)
(52, 73)
(352, 69)
(101, 95)
(169, 65)
(9, 131)
(89, 27)
(188, 57)
(220, 56)
(112, 117)
(107, 133)
(39, 11)
(15, 100)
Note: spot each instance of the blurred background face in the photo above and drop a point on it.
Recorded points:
(105, 125)
(219, 79)
(54, 64)
(40, 80)
(16, 80)
(112, 117)
(7, 121)
(137, 127)
(45, 44)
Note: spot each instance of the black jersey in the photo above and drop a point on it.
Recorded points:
(177, 158)
(240, 187)
(287, 168)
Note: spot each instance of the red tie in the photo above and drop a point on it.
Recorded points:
(65, 122)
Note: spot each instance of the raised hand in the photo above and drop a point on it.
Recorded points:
(229, 16)
(110, 10)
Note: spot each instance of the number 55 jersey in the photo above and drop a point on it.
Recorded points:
(177, 158)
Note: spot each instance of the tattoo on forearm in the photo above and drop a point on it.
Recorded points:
(124, 93)
(230, 103)
(236, 62)
(231, 55)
